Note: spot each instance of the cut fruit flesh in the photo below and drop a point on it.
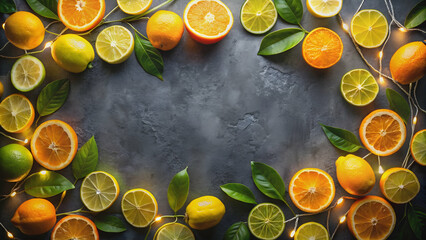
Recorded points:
(27, 73)
(359, 87)
(115, 44)
(99, 191)
(258, 16)
(139, 207)
(266, 221)
(16, 113)
(369, 28)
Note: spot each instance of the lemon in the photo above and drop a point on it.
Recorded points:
(27, 73)
(399, 185)
(266, 221)
(24, 30)
(16, 113)
(311, 230)
(418, 147)
(139, 207)
(134, 7)
(359, 87)
(324, 8)
(73, 53)
(115, 44)
(258, 16)
(173, 231)
(204, 212)
(99, 191)
(16, 162)
(369, 28)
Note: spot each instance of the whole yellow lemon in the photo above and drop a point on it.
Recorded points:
(24, 30)
(204, 212)
(164, 30)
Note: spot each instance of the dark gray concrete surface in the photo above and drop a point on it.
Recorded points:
(219, 107)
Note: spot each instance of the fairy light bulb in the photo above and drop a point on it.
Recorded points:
(13, 194)
(340, 201)
(292, 233)
(43, 172)
(381, 54)
(414, 120)
(345, 27)
(26, 140)
(10, 235)
(48, 44)
(402, 29)
(380, 169)
(381, 80)
(157, 219)
(342, 219)
(4, 24)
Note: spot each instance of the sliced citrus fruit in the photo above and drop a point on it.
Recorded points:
(371, 218)
(418, 147)
(207, 21)
(369, 28)
(324, 8)
(172, 231)
(359, 87)
(266, 221)
(99, 191)
(311, 190)
(54, 144)
(311, 230)
(115, 44)
(258, 16)
(75, 227)
(382, 132)
(139, 207)
(134, 7)
(399, 185)
(16, 113)
(322, 48)
(80, 15)
(27, 73)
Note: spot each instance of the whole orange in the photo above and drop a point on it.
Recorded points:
(24, 30)
(408, 63)
(35, 216)
(164, 30)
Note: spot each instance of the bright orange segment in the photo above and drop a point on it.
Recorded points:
(75, 227)
(81, 15)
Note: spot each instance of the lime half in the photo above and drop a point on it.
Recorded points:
(173, 231)
(99, 191)
(258, 16)
(27, 73)
(399, 185)
(369, 28)
(311, 230)
(359, 87)
(266, 221)
(418, 147)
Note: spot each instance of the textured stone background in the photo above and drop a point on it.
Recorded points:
(219, 107)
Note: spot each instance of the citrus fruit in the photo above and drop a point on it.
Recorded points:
(204, 212)
(164, 30)
(408, 63)
(355, 175)
(369, 28)
(382, 132)
(311, 231)
(371, 218)
(207, 21)
(24, 30)
(134, 7)
(73, 53)
(75, 227)
(324, 8)
(16, 113)
(115, 44)
(311, 190)
(99, 191)
(27, 73)
(80, 15)
(172, 231)
(54, 144)
(139, 207)
(266, 221)
(359, 87)
(418, 147)
(258, 16)
(322, 48)
(34, 216)
(399, 185)
(16, 162)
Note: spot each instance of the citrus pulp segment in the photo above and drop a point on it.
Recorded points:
(359, 87)
(139, 207)
(369, 28)
(99, 191)
(258, 16)
(172, 231)
(418, 147)
(80, 15)
(134, 7)
(75, 227)
(16, 113)
(115, 44)
(324, 8)
(311, 230)
(266, 221)
(399, 185)
(27, 73)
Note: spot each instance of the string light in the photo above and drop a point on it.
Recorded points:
(157, 219)
(381, 80)
(4, 24)
(48, 44)
(345, 27)
(381, 54)
(43, 172)
(402, 29)
(340, 201)
(342, 219)
(381, 170)
(13, 194)
(414, 120)
(26, 140)
(10, 235)
(292, 233)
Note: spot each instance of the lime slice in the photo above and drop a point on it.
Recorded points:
(266, 221)
(359, 87)
(369, 28)
(27, 73)
(173, 231)
(16, 113)
(99, 191)
(324, 8)
(311, 230)
(139, 207)
(399, 185)
(115, 44)
(418, 147)
(134, 7)
(258, 16)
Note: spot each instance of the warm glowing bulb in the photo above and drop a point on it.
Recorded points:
(402, 29)
(414, 120)
(157, 219)
(48, 44)
(340, 201)
(381, 80)
(380, 170)
(381, 54)
(10, 235)
(345, 26)
(342, 219)
(43, 172)
(4, 24)
(292, 233)
(13, 194)
(26, 140)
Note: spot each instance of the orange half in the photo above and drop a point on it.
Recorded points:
(75, 227)
(81, 15)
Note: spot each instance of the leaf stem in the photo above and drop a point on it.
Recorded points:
(289, 208)
(75, 211)
(304, 30)
(137, 31)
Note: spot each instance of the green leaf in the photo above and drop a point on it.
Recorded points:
(109, 223)
(7, 6)
(237, 231)
(342, 139)
(239, 192)
(148, 57)
(398, 104)
(403, 231)
(86, 159)
(415, 222)
(52, 97)
(268, 181)
(45, 8)
(290, 10)
(46, 185)
(416, 16)
(178, 190)
(280, 41)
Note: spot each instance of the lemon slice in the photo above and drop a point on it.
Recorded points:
(134, 7)
(418, 147)
(115, 44)
(27, 73)
(258, 16)
(399, 185)
(324, 8)
(359, 87)
(311, 230)
(99, 191)
(172, 231)
(369, 28)
(266, 221)
(16, 113)
(139, 207)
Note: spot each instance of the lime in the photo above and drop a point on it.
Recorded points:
(16, 162)
(418, 147)
(134, 7)
(324, 8)
(16, 113)
(115, 44)
(27, 73)
(172, 231)
(258, 16)
(311, 230)
(139, 207)
(266, 221)
(99, 191)
(399, 185)
(369, 28)
(359, 87)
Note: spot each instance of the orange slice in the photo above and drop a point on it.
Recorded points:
(81, 15)
(322, 48)
(382, 132)
(312, 190)
(207, 21)
(54, 144)
(371, 218)
(75, 227)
